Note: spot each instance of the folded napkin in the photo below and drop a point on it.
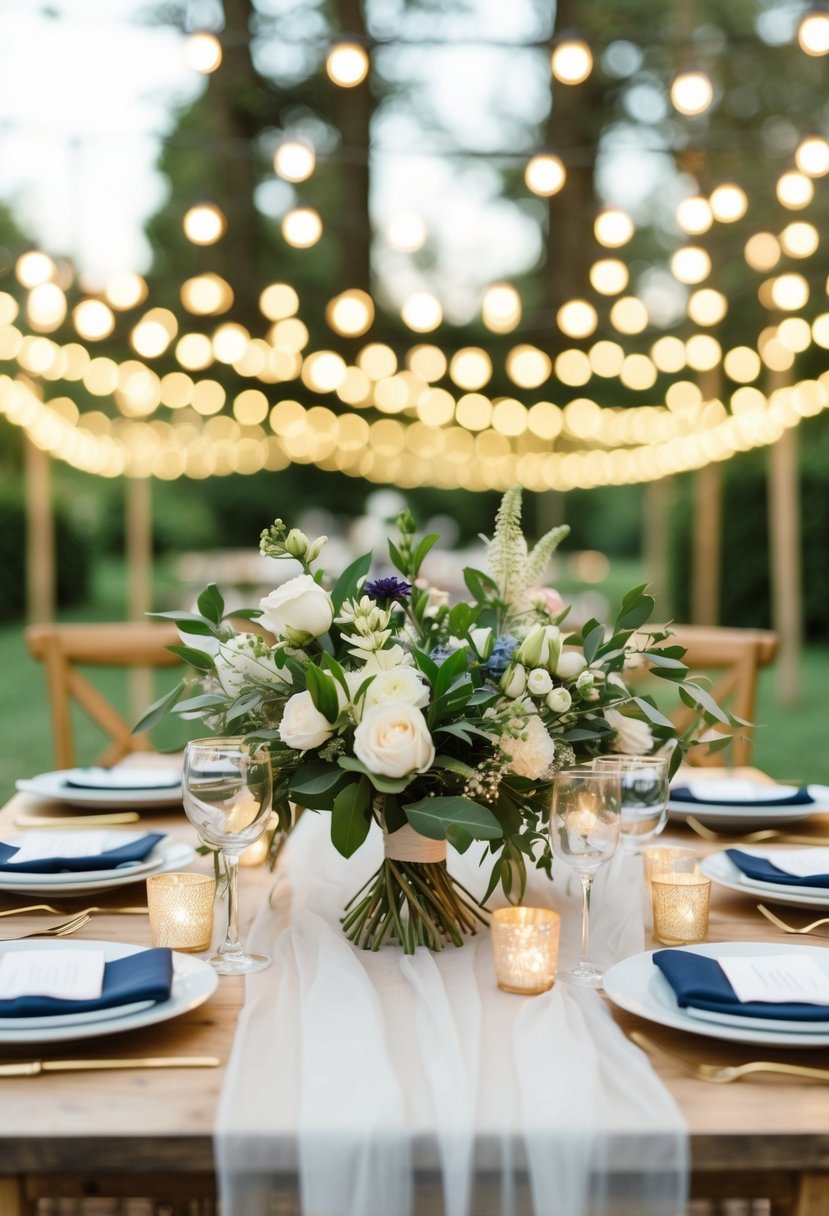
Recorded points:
(763, 870)
(121, 779)
(740, 793)
(144, 976)
(700, 982)
(135, 850)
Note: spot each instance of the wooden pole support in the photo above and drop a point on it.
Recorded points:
(139, 544)
(41, 581)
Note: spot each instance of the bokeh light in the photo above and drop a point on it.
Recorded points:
(203, 52)
(572, 61)
(204, 224)
(691, 92)
(302, 227)
(545, 174)
(295, 159)
(347, 64)
(613, 227)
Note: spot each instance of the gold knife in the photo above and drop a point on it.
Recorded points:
(32, 1068)
(32, 819)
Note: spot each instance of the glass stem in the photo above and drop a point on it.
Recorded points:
(586, 886)
(231, 944)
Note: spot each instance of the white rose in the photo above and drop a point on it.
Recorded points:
(244, 659)
(393, 740)
(298, 610)
(570, 663)
(633, 736)
(398, 684)
(539, 682)
(559, 700)
(302, 724)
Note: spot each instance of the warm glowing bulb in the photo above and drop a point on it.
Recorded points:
(728, 203)
(613, 227)
(691, 264)
(789, 292)
(545, 174)
(34, 268)
(799, 240)
(812, 156)
(46, 307)
(694, 216)
(295, 160)
(501, 308)
(203, 53)
(609, 276)
(707, 307)
(278, 300)
(351, 313)
(577, 319)
(795, 190)
(692, 92)
(572, 61)
(125, 290)
(206, 294)
(762, 251)
(422, 312)
(347, 64)
(302, 227)
(204, 224)
(470, 368)
(406, 233)
(230, 341)
(813, 34)
(528, 367)
(93, 320)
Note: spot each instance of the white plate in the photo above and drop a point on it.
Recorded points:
(73, 1019)
(167, 855)
(637, 985)
(53, 786)
(721, 869)
(152, 861)
(193, 982)
(720, 815)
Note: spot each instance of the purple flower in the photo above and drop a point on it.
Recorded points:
(385, 589)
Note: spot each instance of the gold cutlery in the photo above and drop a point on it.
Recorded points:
(781, 924)
(34, 819)
(752, 837)
(32, 1068)
(723, 1074)
(62, 930)
(132, 911)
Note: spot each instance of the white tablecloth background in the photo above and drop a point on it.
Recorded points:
(356, 1072)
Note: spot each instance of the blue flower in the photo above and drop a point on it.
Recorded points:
(385, 589)
(501, 656)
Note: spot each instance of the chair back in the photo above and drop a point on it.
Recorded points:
(65, 649)
(732, 658)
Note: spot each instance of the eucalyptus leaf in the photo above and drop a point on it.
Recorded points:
(350, 819)
(432, 817)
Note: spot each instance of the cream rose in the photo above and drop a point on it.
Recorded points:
(559, 700)
(539, 682)
(244, 659)
(298, 610)
(302, 724)
(633, 736)
(401, 684)
(393, 740)
(570, 663)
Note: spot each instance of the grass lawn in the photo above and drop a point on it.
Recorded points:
(789, 742)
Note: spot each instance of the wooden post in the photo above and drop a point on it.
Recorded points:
(784, 548)
(707, 528)
(656, 543)
(40, 536)
(139, 554)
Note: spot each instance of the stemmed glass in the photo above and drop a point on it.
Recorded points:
(645, 789)
(584, 830)
(227, 789)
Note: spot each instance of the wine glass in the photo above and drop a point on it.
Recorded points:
(227, 789)
(645, 789)
(584, 830)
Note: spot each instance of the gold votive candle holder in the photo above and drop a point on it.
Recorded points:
(680, 908)
(181, 910)
(525, 948)
(666, 859)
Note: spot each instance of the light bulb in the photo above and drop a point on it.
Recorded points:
(692, 92)
(302, 227)
(422, 312)
(351, 313)
(813, 34)
(728, 203)
(406, 233)
(204, 224)
(203, 53)
(577, 319)
(812, 156)
(572, 61)
(545, 174)
(501, 308)
(34, 268)
(93, 320)
(295, 160)
(347, 64)
(613, 227)
(694, 216)
(795, 190)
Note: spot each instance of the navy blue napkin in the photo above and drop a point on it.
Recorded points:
(767, 871)
(801, 797)
(701, 983)
(136, 850)
(144, 976)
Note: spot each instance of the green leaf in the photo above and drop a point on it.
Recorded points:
(347, 584)
(385, 785)
(421, 551)
(652, 713)
(397, 558)
(188, 622)
(659, 658)
(593, 641)
(432, 817)
(211, 604)
(451, 667)
(636, 609)
(246, 614)
(315, 778)
(459, 838)
(323, 692)
(451, 765)
(703, 698)
(350, 820)
(159, 709)
(243, 705)
(426, 665)
(206, 701)
(479, 583)
(194, 658)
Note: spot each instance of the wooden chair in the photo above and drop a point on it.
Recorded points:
(66, 648)
(732, 658)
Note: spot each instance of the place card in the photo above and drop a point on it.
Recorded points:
(800, 863)
(779, 978)
(36, 846)
(70, 975)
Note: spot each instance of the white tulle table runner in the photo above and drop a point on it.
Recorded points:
(374, 1083)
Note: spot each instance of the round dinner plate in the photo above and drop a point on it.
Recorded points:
(193, 982)
(167, 855)
(637, 985)
(54, 787)
(721, 869)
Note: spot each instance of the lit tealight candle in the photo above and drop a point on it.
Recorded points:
(680, 908)
(181, 910)
(525, 948)
(663, 859)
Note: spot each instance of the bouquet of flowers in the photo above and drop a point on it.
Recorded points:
(382, 702)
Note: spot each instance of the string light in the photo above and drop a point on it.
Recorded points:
(691, 92)
(93, 320)
(609, 276)
(302, 227)
(277, 301)
(572, 61)
(545, 174)
(351, 313)
(812, 156)
(762, 251)
(295, 159)
(790, 292)
(729, 203)
(203, 53)
(406, 233)
(799, 240)
(422, 312)
(501, 308)
(206, 295)
(46, 307)
(125, 290)
(34, 268)
(694, 215)
(470, 368)
(577, 319)
(813, 32)
(707, 307)
(347, 64)
(613, 227)
(204, 224)
(795, 190)
(691, 264)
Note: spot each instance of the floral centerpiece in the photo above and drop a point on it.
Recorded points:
(382, 702)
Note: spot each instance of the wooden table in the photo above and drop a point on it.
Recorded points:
(141, 1133)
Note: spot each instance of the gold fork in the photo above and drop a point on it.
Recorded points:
(133, 911)
(781, 924)
(723, 1074)
(752, 837)
(62, 930)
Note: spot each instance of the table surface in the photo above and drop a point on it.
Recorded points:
(163, 1121)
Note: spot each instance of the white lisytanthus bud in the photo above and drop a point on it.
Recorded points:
(482, 641)
(585, 682)
(570, 664)
(541, 647)
(539, 682)
(296, 543)
(514, 681)
(559, 700)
